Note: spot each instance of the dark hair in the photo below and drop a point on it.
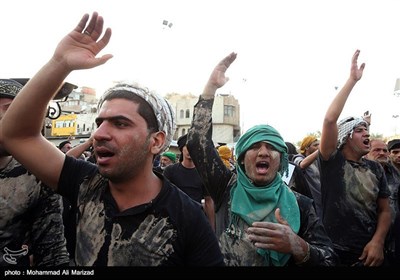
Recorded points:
(63, 143)
(144, 110)
(182, 142)
(291, 148)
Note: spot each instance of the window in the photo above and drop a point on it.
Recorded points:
(187, 113)
(229, 110)
(181, 112)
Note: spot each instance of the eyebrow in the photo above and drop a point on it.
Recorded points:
(113, 118)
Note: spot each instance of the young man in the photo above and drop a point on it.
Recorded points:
(65, 146)
(30, 214)
(356, 212)
(184, 175)
(394, 152)
(259, 220)
(126, 214)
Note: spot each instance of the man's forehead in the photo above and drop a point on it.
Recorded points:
(118, 106)
(361, 125)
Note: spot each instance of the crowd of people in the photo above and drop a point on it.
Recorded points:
(332, 202)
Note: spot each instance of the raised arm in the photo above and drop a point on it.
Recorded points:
(217, 78)
(308, 160)
(79, 149)
(212, 170)
(22, 124)
(329, 128)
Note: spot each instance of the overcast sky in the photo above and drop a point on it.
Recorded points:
(291, 54)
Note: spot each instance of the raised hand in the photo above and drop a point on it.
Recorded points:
(356, 72)
(79, 48)
(217, 78)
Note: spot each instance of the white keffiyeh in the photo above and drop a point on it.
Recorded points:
(346, 128)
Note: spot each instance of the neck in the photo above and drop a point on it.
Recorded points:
(188, 163)
(351, 154)
(138, 190)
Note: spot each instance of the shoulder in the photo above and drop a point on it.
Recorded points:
(180, 199)
(303, 201)
(375, 166)
(297, 158)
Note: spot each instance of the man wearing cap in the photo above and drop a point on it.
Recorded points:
(355, 194)
(166, 159)
(127, 215)
(260, 221)
(394, 152)
(31, 214)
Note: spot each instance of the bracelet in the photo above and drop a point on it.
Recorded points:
(307, 256)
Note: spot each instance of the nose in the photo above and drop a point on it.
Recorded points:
(264, 150)
(102, 132)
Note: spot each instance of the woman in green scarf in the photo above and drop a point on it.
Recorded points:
(260, 221)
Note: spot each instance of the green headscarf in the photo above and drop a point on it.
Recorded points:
(258, 203)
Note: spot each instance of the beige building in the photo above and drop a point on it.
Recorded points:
(82, 104)
(225, 117)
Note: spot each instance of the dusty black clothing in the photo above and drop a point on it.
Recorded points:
(218, 179)
(350, 191)
(31, 215)
(169, 230)
(298, 182)
(392, 243)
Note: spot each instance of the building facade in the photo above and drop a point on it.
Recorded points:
(225, 116)
(79, 111)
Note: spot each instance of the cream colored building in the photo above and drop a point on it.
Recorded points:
(81, 104)
(225, 116)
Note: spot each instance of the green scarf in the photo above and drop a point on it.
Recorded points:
(258, 203)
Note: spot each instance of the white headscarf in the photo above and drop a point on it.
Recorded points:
(346, 127)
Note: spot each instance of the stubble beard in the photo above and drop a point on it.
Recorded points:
(131, 163)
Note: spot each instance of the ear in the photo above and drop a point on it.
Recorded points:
(157, 142)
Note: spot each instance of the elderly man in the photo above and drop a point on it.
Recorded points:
(166, 159)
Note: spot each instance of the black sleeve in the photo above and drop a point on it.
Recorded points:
(213, 172)
(300, 184)
(72, 175)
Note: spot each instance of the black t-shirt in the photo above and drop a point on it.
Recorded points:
(350, 191)
(187, 179)
(169, 230)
